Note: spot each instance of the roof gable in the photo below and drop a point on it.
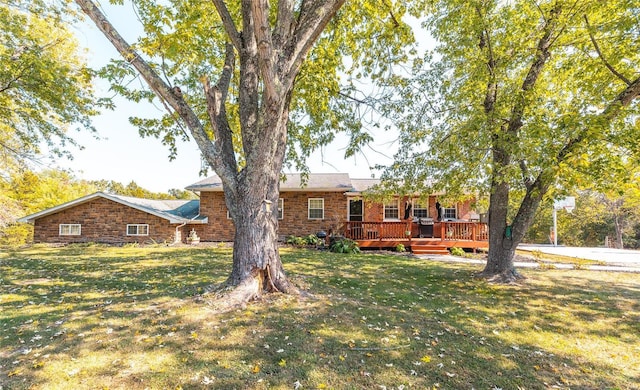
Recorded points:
(175, 211)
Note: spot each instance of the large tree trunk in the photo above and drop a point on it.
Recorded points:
(271, 55)
(502, 245)
(257, 266)
(256, 261)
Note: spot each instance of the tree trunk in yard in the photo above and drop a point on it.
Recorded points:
(257, 266)
(271, 52)
(504, 238)
(502, 246)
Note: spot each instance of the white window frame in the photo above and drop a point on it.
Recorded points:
(391, 206)
(66, 229)
(416, 204)
(137, 226)
(448, 209)
(280, 208)
(315, 208)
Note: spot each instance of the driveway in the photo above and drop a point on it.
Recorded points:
(619, 260)
(609, 256)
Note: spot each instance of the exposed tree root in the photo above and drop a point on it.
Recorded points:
(510, 276)
(226, 297)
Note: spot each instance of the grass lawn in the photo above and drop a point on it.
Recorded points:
(93, 317)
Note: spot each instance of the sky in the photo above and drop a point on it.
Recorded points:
(120, 154)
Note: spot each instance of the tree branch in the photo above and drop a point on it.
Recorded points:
(542, 55)
(492, 87)
(229, 25)
(308, 29)
(216, 99)
(155, 82)
(526, 177)
(631, 92)
(284, 22)
(267, 62)
(604, 60)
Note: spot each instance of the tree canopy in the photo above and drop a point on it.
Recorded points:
(524, 99)
(45, 86)
(361, 43)
(231, 75)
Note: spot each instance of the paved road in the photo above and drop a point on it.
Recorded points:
(610, 256)
(618, 260)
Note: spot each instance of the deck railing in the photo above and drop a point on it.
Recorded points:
(474, 231)
(446, 231)
(376, 230)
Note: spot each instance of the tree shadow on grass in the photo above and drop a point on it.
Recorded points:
(374, 321)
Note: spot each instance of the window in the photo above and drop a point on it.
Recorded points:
(280, 208)
(70, 229)
(449, 213)
(316, 208)
(391, 210)
(138, 230)
(420, 210)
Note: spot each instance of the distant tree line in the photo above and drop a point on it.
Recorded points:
(597, 218)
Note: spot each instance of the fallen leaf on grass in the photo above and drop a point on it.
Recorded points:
(14, 373)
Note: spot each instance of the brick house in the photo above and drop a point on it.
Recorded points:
(114, 219)
(326, 202)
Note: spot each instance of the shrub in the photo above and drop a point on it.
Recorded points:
(312, 239)
(400, 248)
(16, 234)
(295, 240)
(457, 251)
(345, 245)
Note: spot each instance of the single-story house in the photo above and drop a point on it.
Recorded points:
(115, 219)
(332, 203)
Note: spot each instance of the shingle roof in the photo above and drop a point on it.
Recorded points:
(175, 211)
(360, 185)
(187, 209)
(339, 182)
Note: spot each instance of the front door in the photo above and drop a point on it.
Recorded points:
(355, 219)
(355, 210)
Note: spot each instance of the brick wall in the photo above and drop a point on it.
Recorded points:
(296, 221)
(102, 220)
(219, 228)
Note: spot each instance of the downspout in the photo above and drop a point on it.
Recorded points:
(175, 241)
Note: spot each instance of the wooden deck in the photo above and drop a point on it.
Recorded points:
(419, 239)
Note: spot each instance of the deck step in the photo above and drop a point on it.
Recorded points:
(429, 250)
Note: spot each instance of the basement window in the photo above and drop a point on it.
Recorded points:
(70, 229)
(138, 230)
